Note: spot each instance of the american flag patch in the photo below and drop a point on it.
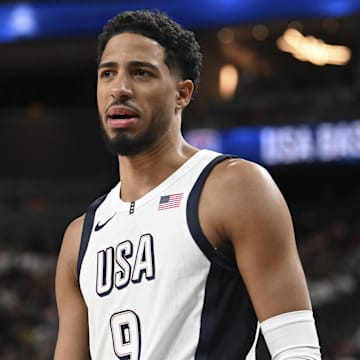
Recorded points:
(170, 201)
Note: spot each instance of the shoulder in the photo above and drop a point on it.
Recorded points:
(240, 169)
(73, 230)
(75, 225)
(72, 236)
(240, 178)
(250, 188)
(238, 196)
(71, 243)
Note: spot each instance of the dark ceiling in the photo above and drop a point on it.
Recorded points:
(47, 93)
(61, 72)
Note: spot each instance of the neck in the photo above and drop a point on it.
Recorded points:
(141, 173)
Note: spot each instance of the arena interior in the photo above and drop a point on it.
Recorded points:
(280, 86)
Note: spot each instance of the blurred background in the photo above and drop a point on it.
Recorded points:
(280, 86)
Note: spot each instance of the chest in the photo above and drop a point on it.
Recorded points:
(140, 251)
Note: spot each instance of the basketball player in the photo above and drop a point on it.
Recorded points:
(192, 252)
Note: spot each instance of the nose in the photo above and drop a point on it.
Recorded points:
(121, 87)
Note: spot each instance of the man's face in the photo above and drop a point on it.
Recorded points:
(136, 93)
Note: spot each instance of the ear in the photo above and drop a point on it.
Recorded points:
(185, 89)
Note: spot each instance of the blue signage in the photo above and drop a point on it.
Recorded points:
(285, 145)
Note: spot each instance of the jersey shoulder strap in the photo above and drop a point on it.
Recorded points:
(86, 230)
(192, 214)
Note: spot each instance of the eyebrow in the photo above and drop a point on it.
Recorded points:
(107, 64)
(132, 63)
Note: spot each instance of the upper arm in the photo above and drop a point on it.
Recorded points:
(72, 342)
(255, 218)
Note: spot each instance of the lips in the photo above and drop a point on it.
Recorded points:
(121, 116)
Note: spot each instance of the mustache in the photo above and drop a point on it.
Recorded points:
(122, 103)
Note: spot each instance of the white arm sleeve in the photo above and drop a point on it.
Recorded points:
(292, 335)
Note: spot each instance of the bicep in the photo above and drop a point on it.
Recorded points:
(265, 248)
(72, 341)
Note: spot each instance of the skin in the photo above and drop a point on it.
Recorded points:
(253, 218)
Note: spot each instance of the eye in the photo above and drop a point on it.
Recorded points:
(142, 73)
(105, 74)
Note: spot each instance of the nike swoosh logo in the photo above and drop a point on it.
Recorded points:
(99, 226)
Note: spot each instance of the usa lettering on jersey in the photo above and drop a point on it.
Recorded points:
(117, 267)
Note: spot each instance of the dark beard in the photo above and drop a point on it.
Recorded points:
(122, 144)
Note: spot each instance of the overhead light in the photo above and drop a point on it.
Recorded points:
(22, 21)
(312, 49)
(228, 81)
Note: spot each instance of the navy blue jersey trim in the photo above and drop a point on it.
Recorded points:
(86, 231)
(225, 261)
(193, 204)
(207, 316)
(228, 320)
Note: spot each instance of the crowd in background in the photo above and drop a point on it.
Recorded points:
(28, 315)
(330, 252)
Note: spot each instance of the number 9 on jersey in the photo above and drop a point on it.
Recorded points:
(125, 330)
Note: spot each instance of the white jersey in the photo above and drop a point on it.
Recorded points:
(154, 287)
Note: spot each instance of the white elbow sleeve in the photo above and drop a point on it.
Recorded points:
(292, 335)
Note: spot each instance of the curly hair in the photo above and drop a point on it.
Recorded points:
(182, 51)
